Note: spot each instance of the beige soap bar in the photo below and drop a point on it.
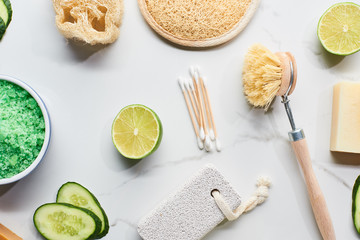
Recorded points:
(345, 126)
(6, 234)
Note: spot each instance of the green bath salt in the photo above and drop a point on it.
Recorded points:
(22, 129)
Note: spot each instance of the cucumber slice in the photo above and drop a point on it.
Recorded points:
(61, 221)
(356, 204)
(5, 11)
(9, 10)
(2, 27)
(76, 194)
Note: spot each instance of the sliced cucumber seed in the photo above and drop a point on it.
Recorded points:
(78, 200)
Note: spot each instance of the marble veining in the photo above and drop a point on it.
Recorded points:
(85, 87)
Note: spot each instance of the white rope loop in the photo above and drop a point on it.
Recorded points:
(260, 195)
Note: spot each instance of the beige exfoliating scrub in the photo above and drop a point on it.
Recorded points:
(198, 23)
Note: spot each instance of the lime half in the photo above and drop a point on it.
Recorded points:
(136, 131)
(339, 28)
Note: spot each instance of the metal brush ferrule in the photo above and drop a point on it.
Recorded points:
(295, 134)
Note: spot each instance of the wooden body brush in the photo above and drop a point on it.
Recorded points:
(266, 75)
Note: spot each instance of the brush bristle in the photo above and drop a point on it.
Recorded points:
(261, 76)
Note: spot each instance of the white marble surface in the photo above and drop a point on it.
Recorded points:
(84, 88)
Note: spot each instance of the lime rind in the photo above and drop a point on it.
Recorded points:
(345, 41)
(158, 139)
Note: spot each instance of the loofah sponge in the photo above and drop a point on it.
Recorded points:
(90, 21)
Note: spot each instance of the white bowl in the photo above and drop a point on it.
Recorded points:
(47, 130)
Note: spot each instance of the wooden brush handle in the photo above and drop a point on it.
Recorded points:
(317, 199)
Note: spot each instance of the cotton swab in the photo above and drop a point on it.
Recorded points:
(207, 141)
(208, 145)
(207, 106)
(197, 95)
(188, 89)
(196, 85)
(202, 103)
(193, 91)
(210, 115)
(199, 141)
(207, 103)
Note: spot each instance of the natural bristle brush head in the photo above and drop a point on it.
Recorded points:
(266, 75)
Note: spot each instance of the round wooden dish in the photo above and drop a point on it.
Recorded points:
(209, 42)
